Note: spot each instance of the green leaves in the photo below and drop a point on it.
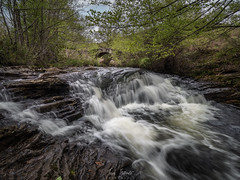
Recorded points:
(150, 30)
(59, 178)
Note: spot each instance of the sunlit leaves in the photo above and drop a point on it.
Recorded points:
(154, 28)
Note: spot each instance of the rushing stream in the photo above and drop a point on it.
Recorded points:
(170, 131)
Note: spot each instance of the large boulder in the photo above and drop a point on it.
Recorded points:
(26, 153)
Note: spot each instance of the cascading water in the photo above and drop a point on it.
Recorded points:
(163, 126)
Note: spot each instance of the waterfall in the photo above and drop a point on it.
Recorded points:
(162, 125)
(150, 116)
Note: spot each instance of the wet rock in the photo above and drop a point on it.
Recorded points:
(53, 99)
(29, 154)
(53, 69)
(192, 163)
(37, 88)
(90, 68)
(105, 80)
(51, 72)
(216, 91)
(66, 108)
(1, 116)
(9, 74)
(13, 72)
(74, 116)
(26, 153)
(55, 105)
(224, 95)
(227, 122)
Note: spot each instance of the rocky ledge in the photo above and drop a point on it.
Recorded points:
(28, 153)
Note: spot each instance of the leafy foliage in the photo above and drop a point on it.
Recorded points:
(59, 178)
(40, 27)
(153, 29)
(140, 33)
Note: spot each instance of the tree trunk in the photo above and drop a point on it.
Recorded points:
(25, 25)
(13, 11)
(41, 35)
(5, 22)
(19, 27)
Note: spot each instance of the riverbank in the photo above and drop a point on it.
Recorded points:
(219, 73)
(212, 58)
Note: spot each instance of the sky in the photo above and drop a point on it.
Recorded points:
(100, 8)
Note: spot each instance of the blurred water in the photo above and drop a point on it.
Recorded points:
(162, 125)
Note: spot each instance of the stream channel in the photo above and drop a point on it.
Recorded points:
(162, 122)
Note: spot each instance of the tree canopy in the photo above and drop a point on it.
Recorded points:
(144, 30)
(40, 27)
(156, 27)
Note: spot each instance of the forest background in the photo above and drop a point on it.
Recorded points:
(196, 38)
